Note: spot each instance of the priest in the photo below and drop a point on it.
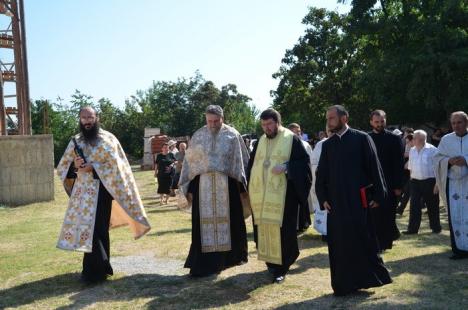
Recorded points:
(303, 217)
(279, 181)
(213, 178)
(451, 172)
(350, 182)
(391, 157)
(103, 194)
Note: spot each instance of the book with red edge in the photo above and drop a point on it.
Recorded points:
(366, 195)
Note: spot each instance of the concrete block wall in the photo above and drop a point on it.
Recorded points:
(26, 169)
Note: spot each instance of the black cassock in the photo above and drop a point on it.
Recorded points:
(303, 218)
(96, 265)
(390, 152)
(299, 178)
(203, 264)
(346, 165)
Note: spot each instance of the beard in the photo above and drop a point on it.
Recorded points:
(214, 130)
(338, 127)
(272, 135)
(89, 134)
(378, 129)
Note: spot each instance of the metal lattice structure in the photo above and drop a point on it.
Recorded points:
(15, 106)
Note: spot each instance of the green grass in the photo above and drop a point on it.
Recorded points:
(34, 274)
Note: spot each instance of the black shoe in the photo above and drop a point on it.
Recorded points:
(409, 232)
(399, 211)
(324, 238)
(436, 231)
(279, 279)
(458, 256)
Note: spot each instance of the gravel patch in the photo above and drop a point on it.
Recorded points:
(147, 264)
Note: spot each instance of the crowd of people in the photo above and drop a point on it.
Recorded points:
(355, 183)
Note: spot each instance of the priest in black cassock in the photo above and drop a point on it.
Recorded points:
(303, 217)
(213, 178)
(279, 180)
(391, 156)
(348, 164)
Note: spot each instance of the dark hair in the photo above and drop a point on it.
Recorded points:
(378, 113)
(409, 137)
(293, 125)
(409, 130)
(341, 110)
(165, 144)
(271, 113)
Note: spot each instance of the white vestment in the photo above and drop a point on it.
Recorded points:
(456, 195)
(320, 216)
(308, 149)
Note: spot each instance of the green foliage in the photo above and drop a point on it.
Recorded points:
(409, 58)
(177, 108)
(63, 122)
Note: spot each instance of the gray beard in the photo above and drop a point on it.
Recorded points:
(214, 131)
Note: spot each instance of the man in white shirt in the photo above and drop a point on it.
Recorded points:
(423, 184)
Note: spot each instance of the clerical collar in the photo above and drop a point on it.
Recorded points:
(344, 131)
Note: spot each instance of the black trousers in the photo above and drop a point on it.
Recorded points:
(405, 194)
(96, 265)
(422, 192)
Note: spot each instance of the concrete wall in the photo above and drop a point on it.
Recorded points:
(26, 169)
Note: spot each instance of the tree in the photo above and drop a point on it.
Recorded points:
(409, 58)
(316, 72)
(177, 107)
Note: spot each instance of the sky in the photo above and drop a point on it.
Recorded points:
(112, 48)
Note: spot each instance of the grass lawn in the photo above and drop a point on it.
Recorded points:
(149, 272)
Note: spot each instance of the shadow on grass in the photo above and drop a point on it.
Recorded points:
(29, 292)
(176, 231)
(331, 302)
(160, 210)
(319, 260)
(436, 266)
(309, 241)
(442, 285)
(178, 292)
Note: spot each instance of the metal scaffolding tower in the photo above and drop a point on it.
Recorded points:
(15, 106)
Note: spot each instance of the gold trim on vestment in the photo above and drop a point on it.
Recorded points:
(267, 193)
(269, 243)
(215, 229)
